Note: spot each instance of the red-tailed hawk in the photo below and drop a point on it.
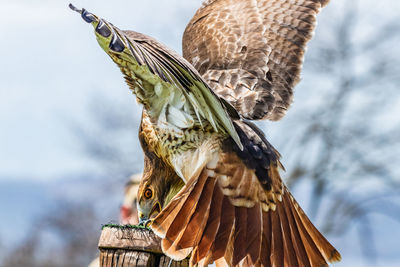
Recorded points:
(243, 59)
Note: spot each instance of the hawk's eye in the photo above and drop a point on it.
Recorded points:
(148, 193)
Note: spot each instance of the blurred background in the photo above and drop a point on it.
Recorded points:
(68, 127)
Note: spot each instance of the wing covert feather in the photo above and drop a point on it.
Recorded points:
(251, 52)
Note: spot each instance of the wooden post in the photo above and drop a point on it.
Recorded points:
(132, 246)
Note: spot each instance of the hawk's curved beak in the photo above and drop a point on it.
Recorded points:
(145, 220)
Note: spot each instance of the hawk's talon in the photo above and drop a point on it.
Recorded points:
(148, 223)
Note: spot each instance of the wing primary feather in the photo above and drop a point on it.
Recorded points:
(170, 66)
(135, 54)
(148, 63)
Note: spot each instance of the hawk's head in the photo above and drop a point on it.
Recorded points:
(158, 186)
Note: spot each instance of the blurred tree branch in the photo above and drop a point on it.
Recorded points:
(353, 160)
(111, 140)
(65, 236)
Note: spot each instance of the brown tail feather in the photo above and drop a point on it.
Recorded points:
(209, 257)
(296, 238)
(192, 234)
(202, 263)
(290, 258)
(221, 262)
(254, 232)
(219, 246)
(164, 220)
(189, 235)
(246, 262)
(311, 236)
(265, 252)
(181, 220)
(229, 246)
(239, 245)
(277, 253)
(203, 220)
(314, 255)
(212, 226)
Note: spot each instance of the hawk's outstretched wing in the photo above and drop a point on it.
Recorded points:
(158, 75)
(251, 52)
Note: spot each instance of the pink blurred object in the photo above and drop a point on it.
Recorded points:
(128, 210)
